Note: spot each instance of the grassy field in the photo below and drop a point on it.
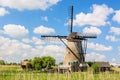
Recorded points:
(16, 73)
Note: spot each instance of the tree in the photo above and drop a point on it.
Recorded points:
(48, 61)
(36, 63)
(2, 62)
(39, 63)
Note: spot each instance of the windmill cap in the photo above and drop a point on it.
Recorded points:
(72, 35)
(75, 36)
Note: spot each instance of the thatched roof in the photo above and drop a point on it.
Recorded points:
(24, 62)
(103, 64)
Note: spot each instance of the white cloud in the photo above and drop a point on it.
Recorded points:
(34, 40)
(12, 46)
(113, 60)
(95, 57)
(99, 47)
(26, 40)
(16, 50)
(25, 55)
(15, 30)
(1, 58)
(98, 17)
(45, 18)
(115, 30)
(92, 30)
(3, 11)
(119, 50)
(116, 17)
(43, 30)
(37, 41)
(111, 38)
(28, 4)
(55, 51)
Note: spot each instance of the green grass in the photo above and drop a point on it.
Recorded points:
(16, 73)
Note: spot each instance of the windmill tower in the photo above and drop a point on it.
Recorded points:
(74, 49)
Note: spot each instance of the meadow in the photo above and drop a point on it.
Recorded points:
(16, 73)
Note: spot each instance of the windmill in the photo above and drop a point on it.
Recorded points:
(74, 47)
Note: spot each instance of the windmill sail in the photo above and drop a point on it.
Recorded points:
(53, 36)
(84, 36)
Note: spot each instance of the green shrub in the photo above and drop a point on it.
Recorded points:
(2, 62)
(95, 68)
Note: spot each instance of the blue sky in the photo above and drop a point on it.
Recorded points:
(23, 22)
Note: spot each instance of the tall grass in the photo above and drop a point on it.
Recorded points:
(16, 73)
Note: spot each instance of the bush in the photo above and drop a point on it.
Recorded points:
(95, 68)
(2, 62)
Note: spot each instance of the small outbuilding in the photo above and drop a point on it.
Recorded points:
(103, 66)
(25, 65)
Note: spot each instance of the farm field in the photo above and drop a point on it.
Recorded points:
(16, 73)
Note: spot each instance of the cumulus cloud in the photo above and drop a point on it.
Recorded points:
(37, 41)
(15, 30)
(98, 16)
(116, 17)
(95, 57)
(12, 46)
(115, 30)
(1, 58)
(119, 50)
(26, 40)
(55, 51)
(12, 50)
(111, 38)
(43, 30)
(28, 4)
(99, 47)
(3, 11)
(113, 60)
(16, 50)
(92, 30)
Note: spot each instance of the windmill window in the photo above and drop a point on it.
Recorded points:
(68, 52)
(68, 63)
